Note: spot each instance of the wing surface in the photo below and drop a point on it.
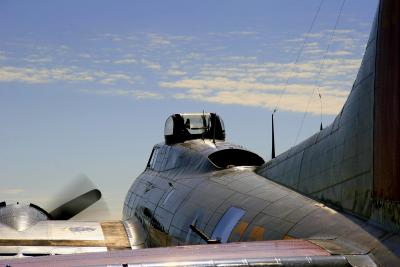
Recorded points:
(63, 237)
(261, 253)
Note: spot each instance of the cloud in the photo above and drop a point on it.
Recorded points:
(68, 74)
(290, 102)
(218, 83)
(340, 53)
(42, 75)
(243, 33)
(175, 72)
(111, 36)
(158, 40)
(125, 61)
(113, 78)
(150, 65)
(102, 61)
(38, 59)
(161, 40)
(295, 98)
(194, 67)
(314, 35)
(242, 58)
(85, 55)
(233, 34)
(138, 94)
(348, 40)
(261, 84)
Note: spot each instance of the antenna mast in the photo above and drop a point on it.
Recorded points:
(215, 121)
(273, 137)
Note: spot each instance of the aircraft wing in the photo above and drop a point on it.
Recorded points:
(63, 237)
(261, 253)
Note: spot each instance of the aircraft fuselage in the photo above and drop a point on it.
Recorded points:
(182, 187)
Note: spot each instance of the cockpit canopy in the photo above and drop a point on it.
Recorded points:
(188, 126)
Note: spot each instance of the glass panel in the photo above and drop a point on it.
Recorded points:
(172, 159)
(169, 126)
(226, 224)
(188, 126)
(195, 123)
(160, 154)
(153, 158)
(164, 157)
(222, 124)
(150, 159)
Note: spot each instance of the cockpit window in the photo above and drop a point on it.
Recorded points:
(189, 126)
(153, 158)
(235, 157)
(196, 124)
(159, 159)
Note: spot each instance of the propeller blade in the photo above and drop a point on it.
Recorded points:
(73, 207)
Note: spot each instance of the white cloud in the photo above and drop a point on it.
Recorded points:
(111, 78)
(85, 55)
(340, 53)
(138, 94)
(261, 84)
(226, 91)
(314, 35)
(245, 33)
(217, 83)
(42, 75)
(151, 65)
(242, 58)
(125, 61)
(290, 102)
(101, 61)
(204, 73)
(158, 40)
(70, 74)
(38, 59)
(233, 34)
(27, 75)
(175, 72)
(316, 43)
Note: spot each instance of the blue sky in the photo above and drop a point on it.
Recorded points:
(86, 86)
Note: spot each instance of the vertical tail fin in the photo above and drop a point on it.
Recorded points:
(386, 182)
(354, 163)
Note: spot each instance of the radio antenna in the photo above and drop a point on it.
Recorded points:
(273, 137)
(214, 126)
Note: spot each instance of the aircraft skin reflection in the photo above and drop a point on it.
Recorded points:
(197, 190)
(332, 200)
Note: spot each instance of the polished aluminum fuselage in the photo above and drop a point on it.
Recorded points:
(167, 203)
